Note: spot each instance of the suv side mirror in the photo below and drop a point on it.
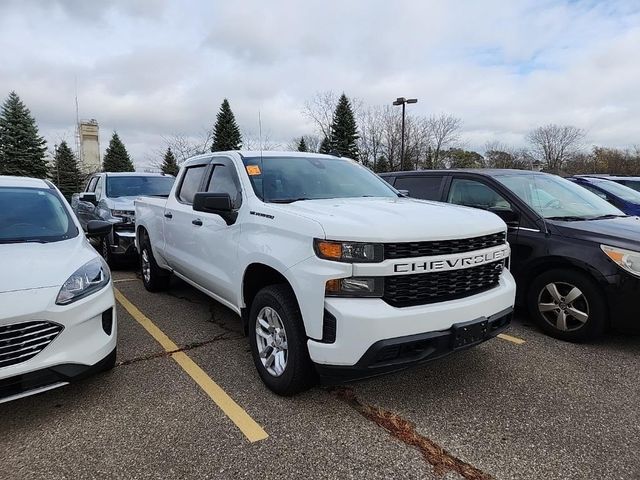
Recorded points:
(98, 228)
(218, 203)
(89, 197)
(510, 217)
(404, 193)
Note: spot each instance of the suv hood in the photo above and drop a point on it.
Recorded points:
(39, 265)
(618, 232)
(395, 219)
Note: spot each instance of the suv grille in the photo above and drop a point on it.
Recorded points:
(443, 247)
(21, 341)
(424, 288)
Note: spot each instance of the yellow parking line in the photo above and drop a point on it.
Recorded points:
(509, 338)
(236, 414)
(120, 280)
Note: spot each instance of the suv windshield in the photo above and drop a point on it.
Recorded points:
(554, 197)
(625, 193)
(33, 215)
(131, 186)
(289, 179)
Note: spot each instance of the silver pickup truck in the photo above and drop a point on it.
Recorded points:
(110, 196)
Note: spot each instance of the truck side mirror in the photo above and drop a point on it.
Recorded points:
(404, 193)
(89, 197)
(218, 203)
(98, 228)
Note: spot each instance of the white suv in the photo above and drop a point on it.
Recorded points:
(57, 312)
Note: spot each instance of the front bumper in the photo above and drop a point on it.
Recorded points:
(395, 354)
(361, 323)
(124, 243)
(82, 343)
(622, 296)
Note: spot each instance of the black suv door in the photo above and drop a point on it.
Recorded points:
(524, 236)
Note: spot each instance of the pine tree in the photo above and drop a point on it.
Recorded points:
(169, 164)
(325, 146)
(226, 134)
(66, 173)
(302, 146)
(22, 149)
(116, 158)
(344, 131)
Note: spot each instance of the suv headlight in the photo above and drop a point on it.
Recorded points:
(89, 278)
(352, 252)
(627, 259)
(355, 287)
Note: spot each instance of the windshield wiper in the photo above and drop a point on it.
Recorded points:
(605, 217)
(567, 218)
(288, 200)
(21, 240)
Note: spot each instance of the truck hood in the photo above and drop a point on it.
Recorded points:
(120, 203)
(623, 232)
(39, 265)
(395, 219)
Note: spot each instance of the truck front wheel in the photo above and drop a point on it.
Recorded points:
(278, 341)
(154, 278)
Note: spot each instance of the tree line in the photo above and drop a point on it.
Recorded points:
(342, 126)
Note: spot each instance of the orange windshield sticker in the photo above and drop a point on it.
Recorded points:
(253, 170)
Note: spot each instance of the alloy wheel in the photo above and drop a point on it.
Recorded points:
(146, 266)
(563, 306)
(271, 339)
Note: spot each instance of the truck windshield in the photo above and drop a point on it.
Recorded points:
(33, 215)
(625, 193)
(135, 186)
(553, 197)
(289, 179)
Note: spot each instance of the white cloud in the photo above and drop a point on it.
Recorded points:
(156, 67)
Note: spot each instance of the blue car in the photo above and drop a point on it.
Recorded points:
(625, 198)
(631, 182)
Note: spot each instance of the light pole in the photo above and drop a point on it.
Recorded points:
(403, 101)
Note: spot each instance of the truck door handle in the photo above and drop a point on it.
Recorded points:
(197, 222)
(168, 215)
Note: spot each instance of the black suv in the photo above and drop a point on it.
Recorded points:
(575, 257)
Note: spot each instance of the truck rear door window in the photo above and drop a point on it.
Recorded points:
(191, 183)
(426, 188)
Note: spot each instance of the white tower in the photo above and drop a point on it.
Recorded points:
(89, 146)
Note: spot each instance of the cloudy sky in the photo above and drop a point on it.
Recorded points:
(152, 68)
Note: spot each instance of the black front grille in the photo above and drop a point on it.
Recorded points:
(21, 341)
(442, 247)
(433, 287)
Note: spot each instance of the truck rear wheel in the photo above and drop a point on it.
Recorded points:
(278, 341)
(154, 278)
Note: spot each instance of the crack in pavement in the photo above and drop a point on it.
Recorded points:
(442, 461)
(189, 346)
(226, 326)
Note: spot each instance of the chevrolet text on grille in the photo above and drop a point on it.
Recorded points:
(452, 263)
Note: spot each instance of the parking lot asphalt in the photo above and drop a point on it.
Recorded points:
(538, 409)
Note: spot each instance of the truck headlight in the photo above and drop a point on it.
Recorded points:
(355, 287)
(627, 259)
(124, 215)
(352, 252)
(89, 278)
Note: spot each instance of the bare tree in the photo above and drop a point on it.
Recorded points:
(444, 131)
(319, 109)
(554, 144)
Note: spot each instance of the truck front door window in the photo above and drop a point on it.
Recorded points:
(191, 183)
(224, 180)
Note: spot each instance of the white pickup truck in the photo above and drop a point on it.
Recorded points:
(332, 271)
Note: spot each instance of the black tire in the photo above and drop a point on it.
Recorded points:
(158, 279)
(591, 301)
(298, 374)
(105, 251)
